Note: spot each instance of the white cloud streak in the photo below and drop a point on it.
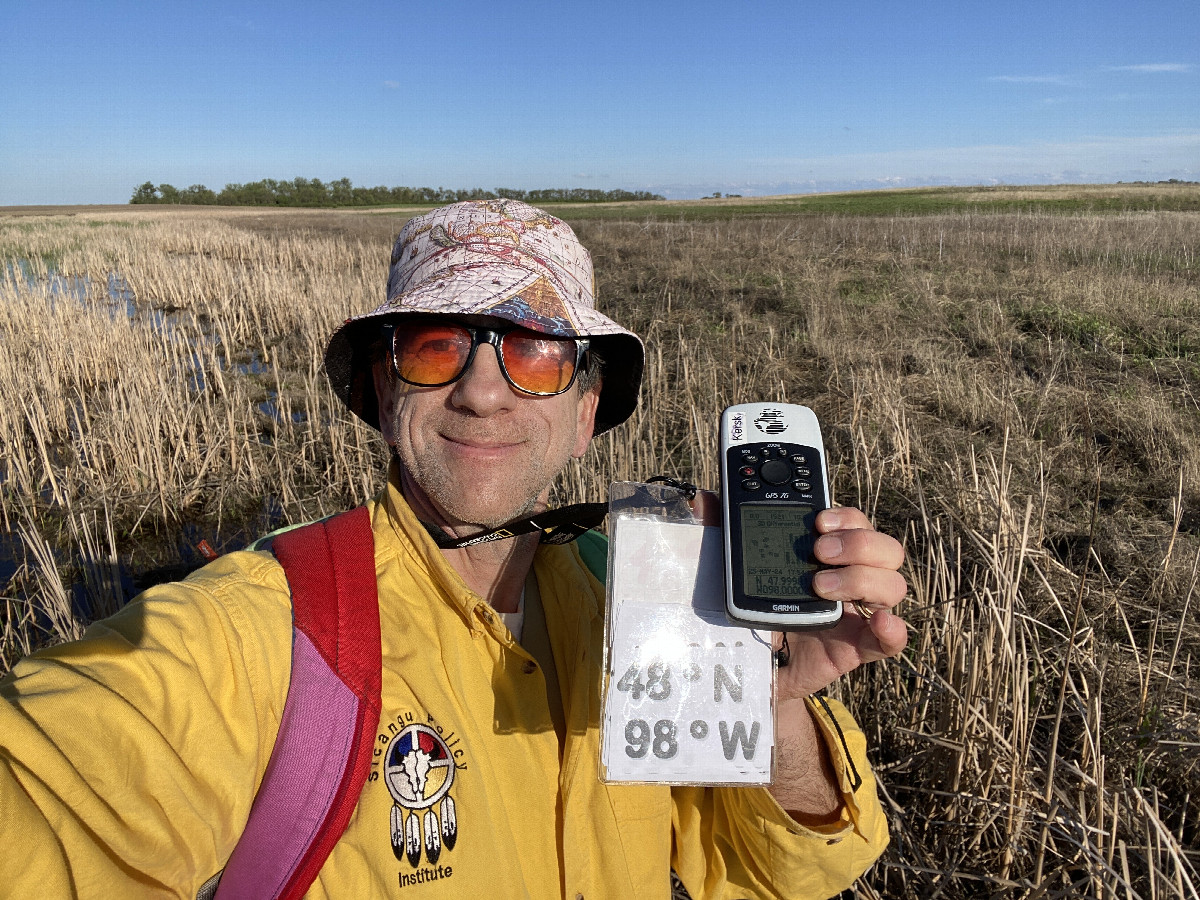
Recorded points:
(1104, 157)
(1074, 80)
(1177, 68)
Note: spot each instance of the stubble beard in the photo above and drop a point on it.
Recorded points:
(476, 504)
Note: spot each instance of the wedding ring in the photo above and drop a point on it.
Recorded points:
(863, 610)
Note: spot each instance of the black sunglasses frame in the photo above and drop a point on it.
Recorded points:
(483, 335)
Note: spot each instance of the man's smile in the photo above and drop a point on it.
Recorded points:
(477, 447)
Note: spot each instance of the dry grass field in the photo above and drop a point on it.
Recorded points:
(1014, 392)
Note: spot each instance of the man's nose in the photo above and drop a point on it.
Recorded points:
(482, 388)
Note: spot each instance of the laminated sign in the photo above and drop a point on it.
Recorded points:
(687, 695)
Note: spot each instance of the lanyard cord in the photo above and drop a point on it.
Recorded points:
(558, 526)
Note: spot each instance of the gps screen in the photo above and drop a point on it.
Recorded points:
(777, 549)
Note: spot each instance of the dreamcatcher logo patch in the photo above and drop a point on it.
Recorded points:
(419, 770)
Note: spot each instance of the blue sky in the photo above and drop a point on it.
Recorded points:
(679, 98)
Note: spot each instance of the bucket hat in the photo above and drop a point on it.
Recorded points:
(500, 258)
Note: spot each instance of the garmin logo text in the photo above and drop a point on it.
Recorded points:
(735, 429)
(785, 607)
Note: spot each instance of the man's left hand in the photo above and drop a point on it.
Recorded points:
(864, 576)
(866, 580)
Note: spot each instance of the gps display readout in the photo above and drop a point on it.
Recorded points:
(777, 549)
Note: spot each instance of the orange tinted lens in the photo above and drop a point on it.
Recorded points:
(431, 354)
(538, 364)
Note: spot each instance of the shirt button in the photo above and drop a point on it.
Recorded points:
(530, 667)
(485, 614)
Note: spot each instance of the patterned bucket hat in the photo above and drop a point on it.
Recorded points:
(499, 258)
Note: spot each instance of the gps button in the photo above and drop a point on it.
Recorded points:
(776, 471)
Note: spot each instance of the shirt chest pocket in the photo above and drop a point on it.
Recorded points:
(640, 803)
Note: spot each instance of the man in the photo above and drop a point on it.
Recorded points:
(130, 759)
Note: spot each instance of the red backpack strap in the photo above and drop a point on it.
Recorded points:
(323, 752)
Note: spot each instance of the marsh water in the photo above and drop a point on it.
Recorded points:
(97, 585)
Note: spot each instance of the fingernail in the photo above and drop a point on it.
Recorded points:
(827, 582)
(829, 546)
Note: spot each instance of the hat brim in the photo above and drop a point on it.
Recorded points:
(349, 360)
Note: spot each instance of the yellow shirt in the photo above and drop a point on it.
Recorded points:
(129, 759)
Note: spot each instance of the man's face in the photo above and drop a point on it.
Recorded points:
(478, 452)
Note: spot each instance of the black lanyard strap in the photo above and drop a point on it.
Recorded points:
(558, 526)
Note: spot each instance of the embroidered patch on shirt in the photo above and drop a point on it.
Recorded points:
(419, 768)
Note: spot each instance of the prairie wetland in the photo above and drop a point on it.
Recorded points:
(1008, 381)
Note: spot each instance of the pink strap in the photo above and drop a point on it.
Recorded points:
(322, 754)
(302, 777)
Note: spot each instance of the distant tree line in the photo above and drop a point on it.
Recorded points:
(314, 192)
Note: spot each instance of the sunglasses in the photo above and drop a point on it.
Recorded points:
(437, 353)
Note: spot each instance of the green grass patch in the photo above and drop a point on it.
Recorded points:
(1054, 199)
(1166, 339)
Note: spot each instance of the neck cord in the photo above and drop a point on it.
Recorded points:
(558, 526)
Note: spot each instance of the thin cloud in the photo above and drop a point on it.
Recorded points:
(393, 85)
(1178, 68)
(1107, 158)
